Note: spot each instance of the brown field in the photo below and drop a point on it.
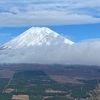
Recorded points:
(20, 97)
(60, 73)
(6, 73)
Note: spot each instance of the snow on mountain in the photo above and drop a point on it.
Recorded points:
(37, 36)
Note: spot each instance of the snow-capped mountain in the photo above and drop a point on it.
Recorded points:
(40, 45)
(36, 45)
(37, 36)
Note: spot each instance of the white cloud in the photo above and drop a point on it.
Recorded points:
(86, 53)
(43, 12)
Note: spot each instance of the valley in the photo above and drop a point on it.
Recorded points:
(49, 82)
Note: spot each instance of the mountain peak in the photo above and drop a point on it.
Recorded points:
(37, 36)
(40, 30)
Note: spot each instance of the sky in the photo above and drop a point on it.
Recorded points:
(77, 20)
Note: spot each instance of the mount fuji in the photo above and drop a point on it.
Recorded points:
(37, 36)
(36, 45)
(41, 45)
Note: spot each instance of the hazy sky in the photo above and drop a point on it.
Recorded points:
(78, 20)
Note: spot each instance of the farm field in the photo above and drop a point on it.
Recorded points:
(38, 83)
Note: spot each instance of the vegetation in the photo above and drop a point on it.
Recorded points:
(38, 85)
(3, 83)
(82, 90)
(35, 82)
(5, 96)
(32, 97)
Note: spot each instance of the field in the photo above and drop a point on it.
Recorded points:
(49, 82)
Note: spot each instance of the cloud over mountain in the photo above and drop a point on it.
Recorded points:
(56, 52)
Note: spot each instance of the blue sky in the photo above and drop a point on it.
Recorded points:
(78, 20)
